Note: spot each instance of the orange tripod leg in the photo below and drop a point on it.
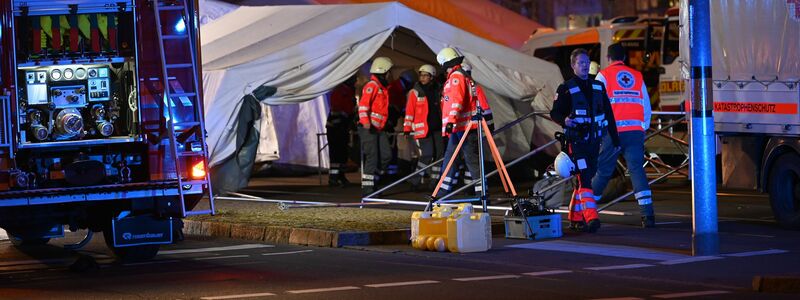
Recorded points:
(497, 157)
(502, 178)
(450, 163)
(497, 162)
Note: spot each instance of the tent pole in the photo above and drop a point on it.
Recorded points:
(496, 131)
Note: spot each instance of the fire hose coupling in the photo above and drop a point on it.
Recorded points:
(39, 132)
(105, 128)
(69, 122)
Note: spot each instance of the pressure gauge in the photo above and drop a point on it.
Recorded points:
(80, 73)
(55, 74)
(68, 74)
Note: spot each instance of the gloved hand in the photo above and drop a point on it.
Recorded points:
(569, 122)
(449, 128)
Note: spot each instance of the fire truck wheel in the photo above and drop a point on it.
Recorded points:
(131, 253)
(19, 242)
(784, 190)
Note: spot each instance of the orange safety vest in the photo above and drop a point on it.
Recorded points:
(373, 107)
(624, 88)
(458, 101)
(416, 120)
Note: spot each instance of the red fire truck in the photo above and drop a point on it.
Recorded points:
(102, 121)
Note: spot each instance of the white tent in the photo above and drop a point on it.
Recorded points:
(305, 51)
(211, 10)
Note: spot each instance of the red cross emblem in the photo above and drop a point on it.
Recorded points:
(626, 79)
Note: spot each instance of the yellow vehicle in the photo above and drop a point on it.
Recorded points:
(650, 51)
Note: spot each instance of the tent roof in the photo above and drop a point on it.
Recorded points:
(479, 17)
(295, 35)
(306, 50)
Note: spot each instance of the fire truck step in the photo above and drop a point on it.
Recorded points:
(171, 7)
(173, 95)
(186, 124)
(174, 36)
(179, 66)
(190, 153)
(194, 182)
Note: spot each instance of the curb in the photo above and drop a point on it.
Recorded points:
(303, 236)
(295, 236)
(776, 284)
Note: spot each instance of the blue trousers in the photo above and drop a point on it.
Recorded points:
(632, 149)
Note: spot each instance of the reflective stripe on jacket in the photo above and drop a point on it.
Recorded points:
(628, 95)
(416, 120)
(373, 106)
(587, 114)
(458, 103)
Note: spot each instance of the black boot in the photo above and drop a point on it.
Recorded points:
(593, 226)
(365, 191)
(577, 226)
(648, 221)
(343, 182)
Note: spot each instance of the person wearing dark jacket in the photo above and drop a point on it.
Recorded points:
(337, 129)
(583, 109)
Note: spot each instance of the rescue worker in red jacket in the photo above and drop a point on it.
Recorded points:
(373, 112)
(342, 101)
(631, 105)
(458, 107)
(461, 168)
(582, 108)
(423, 122)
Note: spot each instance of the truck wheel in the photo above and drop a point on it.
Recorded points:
(784, 190)
(19, 242)
(131, 253)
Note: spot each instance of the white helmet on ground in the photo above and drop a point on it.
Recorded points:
(427, 69)
(564, 165)
(381, 65)
(447, 54)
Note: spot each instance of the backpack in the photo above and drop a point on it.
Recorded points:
(556, 196)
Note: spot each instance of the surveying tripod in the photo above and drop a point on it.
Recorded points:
(483, 131)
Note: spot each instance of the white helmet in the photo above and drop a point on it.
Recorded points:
(447, 54)
(564, 165)
(427, 69)
(381, 65)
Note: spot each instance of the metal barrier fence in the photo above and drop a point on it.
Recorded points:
(653, 161)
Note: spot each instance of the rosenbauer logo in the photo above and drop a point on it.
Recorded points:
(130, 236)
